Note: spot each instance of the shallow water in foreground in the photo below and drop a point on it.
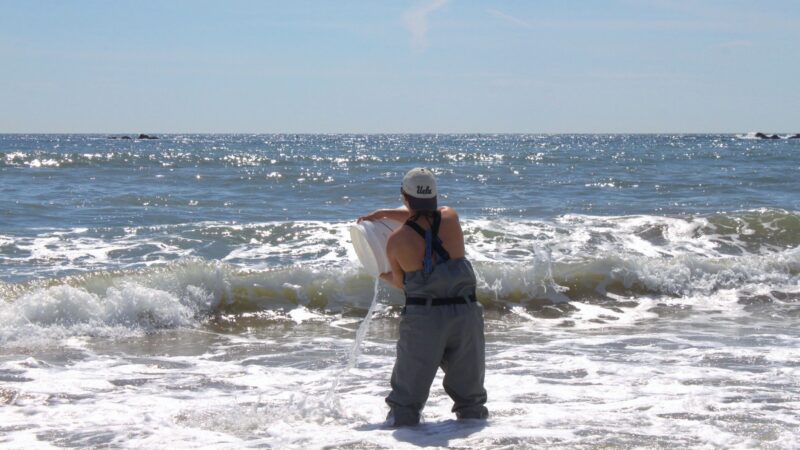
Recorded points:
(639, 291)
(701, 380)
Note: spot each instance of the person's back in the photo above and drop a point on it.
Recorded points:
(442, 323)
(451, 278)
(409, 246)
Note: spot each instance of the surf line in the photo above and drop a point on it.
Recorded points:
(352, 357)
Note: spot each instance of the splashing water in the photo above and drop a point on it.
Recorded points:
(331, 400)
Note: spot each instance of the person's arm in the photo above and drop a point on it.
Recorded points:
(394, 276)
(399, 214)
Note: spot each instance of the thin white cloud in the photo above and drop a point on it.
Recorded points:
(416, 22)
(509, 18)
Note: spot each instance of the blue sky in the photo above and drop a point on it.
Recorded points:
(399, 66)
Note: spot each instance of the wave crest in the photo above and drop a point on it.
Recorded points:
(523, 264)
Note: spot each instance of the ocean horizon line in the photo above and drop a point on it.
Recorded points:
(396, 133)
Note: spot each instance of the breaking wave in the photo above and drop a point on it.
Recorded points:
(520, 264)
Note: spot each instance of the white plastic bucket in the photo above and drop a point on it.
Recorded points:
(369, 241)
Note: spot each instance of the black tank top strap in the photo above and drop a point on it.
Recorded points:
(414, 226)
(437, 220)
(437, 243)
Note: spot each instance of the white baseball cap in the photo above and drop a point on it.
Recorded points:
(419, 185)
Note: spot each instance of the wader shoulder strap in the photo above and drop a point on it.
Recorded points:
(432, 241)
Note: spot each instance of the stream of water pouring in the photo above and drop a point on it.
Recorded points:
(355, 350)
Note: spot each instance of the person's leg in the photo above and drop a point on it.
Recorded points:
(464, 364)
(419, 351)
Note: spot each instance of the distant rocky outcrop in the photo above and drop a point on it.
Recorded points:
(141, 136)
(794, 136)
(761, 135)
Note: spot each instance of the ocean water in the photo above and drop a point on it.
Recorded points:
(201, 290)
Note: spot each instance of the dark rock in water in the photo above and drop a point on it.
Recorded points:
(141, 136)
(794, 136)
(767, 136)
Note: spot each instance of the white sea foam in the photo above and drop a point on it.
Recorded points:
(562, 388)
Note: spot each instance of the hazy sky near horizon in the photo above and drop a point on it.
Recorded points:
(399, 66)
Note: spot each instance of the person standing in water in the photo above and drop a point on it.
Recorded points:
(442, 323)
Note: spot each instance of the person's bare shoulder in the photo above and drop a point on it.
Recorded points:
(448, 212)
(398, 248)
(395, 238)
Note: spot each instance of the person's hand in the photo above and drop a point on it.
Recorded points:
(369, 217)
